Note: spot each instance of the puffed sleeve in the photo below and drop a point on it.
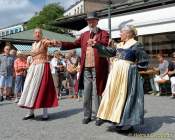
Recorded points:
(142, 57)
(105, 51)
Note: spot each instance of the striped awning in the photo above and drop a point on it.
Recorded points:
(27, 48)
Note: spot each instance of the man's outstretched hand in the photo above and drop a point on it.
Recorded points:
(58, 43)
(47, 43)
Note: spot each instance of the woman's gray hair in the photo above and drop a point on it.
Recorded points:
(129, 28)
(38, 29)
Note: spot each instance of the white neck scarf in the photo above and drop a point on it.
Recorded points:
(127, 44)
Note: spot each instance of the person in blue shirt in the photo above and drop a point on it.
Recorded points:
(6, 73)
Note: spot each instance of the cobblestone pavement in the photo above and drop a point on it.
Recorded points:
(65, 123)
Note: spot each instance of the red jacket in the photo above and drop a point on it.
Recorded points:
(101, 64)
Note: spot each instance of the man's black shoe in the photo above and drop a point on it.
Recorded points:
(86, 121)
(114, 128)
(29, 117)
(1, 98)
(99, 122)
(45, 118)
(8, 98)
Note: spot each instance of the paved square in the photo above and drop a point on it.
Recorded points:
(65, 123)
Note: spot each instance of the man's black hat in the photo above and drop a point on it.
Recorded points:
(92, 15)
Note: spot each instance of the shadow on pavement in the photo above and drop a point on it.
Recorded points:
(151, 125)
(5, 103)
(61, 114)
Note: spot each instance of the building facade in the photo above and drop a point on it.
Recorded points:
(84, 6)
(154, 20)
(155, 26)
(11, 30)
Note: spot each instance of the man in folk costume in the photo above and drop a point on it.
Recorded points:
(39, 90)
(94, 69)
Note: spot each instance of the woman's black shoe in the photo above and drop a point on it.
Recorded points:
(129, 130)
(99, 122)
(29, 117)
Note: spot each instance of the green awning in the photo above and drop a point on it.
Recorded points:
(28, 35)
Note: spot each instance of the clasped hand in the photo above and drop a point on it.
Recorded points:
(91, 42)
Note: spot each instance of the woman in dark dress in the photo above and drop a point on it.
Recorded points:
(123, 98)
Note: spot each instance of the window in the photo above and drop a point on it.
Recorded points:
(16, 30)
(3, 33)
(81, 9)
(159, 43)
(19, 29)
(11, 32)
(75, 12)
(7, 32)
(78, 10)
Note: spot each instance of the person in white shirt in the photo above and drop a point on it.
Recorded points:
(163, 77)
(55, 66)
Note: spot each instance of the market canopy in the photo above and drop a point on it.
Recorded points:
(154, 21)
(78, 22)
(28, 36)
(22, 41)
(112, 1)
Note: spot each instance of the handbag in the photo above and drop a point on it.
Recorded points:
(72, 69)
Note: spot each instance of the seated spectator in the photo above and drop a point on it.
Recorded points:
(171, 73)
(148, 75)
(163, 71)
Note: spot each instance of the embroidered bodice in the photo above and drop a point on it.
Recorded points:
(39, 53)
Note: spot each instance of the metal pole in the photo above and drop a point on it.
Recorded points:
(109, 17)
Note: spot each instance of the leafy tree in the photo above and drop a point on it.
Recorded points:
(43, 19)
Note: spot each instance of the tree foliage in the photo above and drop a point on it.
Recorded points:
(43, 19)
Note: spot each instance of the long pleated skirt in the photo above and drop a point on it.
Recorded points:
(39, 90)
(123, 98)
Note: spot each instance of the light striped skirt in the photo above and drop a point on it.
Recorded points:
(115, 93)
